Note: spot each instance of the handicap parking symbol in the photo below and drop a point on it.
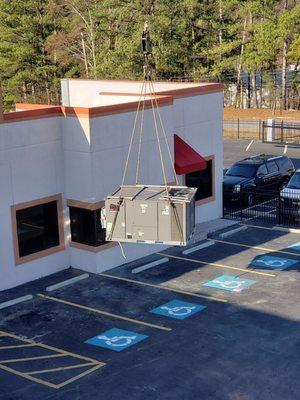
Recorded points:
(178, 309)
(230, 283)
(273, 262)
(116, 339)
(295, 246)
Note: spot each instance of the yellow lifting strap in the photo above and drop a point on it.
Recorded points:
(148, 91)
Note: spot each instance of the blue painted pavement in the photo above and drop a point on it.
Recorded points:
(116, 339)
(278, 263)
(230, 283)
(178, 309)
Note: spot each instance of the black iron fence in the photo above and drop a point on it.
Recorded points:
(272, 207)
(281, 132)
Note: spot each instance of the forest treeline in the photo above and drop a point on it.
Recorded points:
(242, 43)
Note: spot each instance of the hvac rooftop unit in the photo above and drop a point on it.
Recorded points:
(146, 214)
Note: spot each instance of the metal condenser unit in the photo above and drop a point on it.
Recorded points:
(151, 214)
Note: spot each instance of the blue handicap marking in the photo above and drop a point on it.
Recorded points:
(230, 283)
(116, 339)
(178, 309)
(273, 262)
(295, 246)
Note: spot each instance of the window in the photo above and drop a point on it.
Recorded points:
(262, 170)
(86, 226)
(242, 170)
(272, 167)
(202, 180)
(37, 228)
(284, 164)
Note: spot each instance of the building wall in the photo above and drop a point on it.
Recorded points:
(31, 167)
(83, 159)
(198, 120)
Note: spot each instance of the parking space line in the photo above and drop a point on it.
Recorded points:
(163, 287)
(94, 364)
(43, 371)
(257, 247)
(102, 312)
(75, 378)
(31, 378)
(14, 360)
(274, 228)
(16, 346)
(248, 271)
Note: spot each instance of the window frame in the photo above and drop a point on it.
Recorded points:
(213, 173)
(43, 253)
(90, 207)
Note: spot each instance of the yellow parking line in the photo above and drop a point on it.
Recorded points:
(44, 371)
(31, 378)
(257, 247)
(75, 378)
(163, 287)
(95, 364)
(108, 314)
(46, 346)
(14, 360)
(17, 346)
(248, 271)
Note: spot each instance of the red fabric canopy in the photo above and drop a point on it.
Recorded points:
(186, 158)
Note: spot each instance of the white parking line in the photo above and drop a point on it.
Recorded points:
(249, 145)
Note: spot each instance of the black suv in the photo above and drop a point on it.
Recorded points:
(261, 172)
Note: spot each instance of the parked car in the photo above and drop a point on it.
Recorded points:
(258, 172)
(290, 198)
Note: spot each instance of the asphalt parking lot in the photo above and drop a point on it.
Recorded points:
(220, 323)
(235, 150)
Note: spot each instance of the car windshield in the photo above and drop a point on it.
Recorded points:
(243, 170)
(294, 183)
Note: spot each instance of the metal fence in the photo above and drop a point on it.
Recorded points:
(281, 132)
(242, 129)
(271, 207)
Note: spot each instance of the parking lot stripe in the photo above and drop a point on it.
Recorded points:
(94, 364)
(14, 360)
(16, 346)
(248, 271)
(31, 378)
(102, 312)
(46, 346)
(274, 228)
(75, 378)
(163, 287)
(257, 247)
(44, 371)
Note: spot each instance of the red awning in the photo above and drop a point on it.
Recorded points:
(186, 158)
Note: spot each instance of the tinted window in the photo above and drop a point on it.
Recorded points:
(262, 170)
(294, 183)
(86, 226)
(272, 167)
(37, 228)
(243, 170)
(203, 180)
(284, 164)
